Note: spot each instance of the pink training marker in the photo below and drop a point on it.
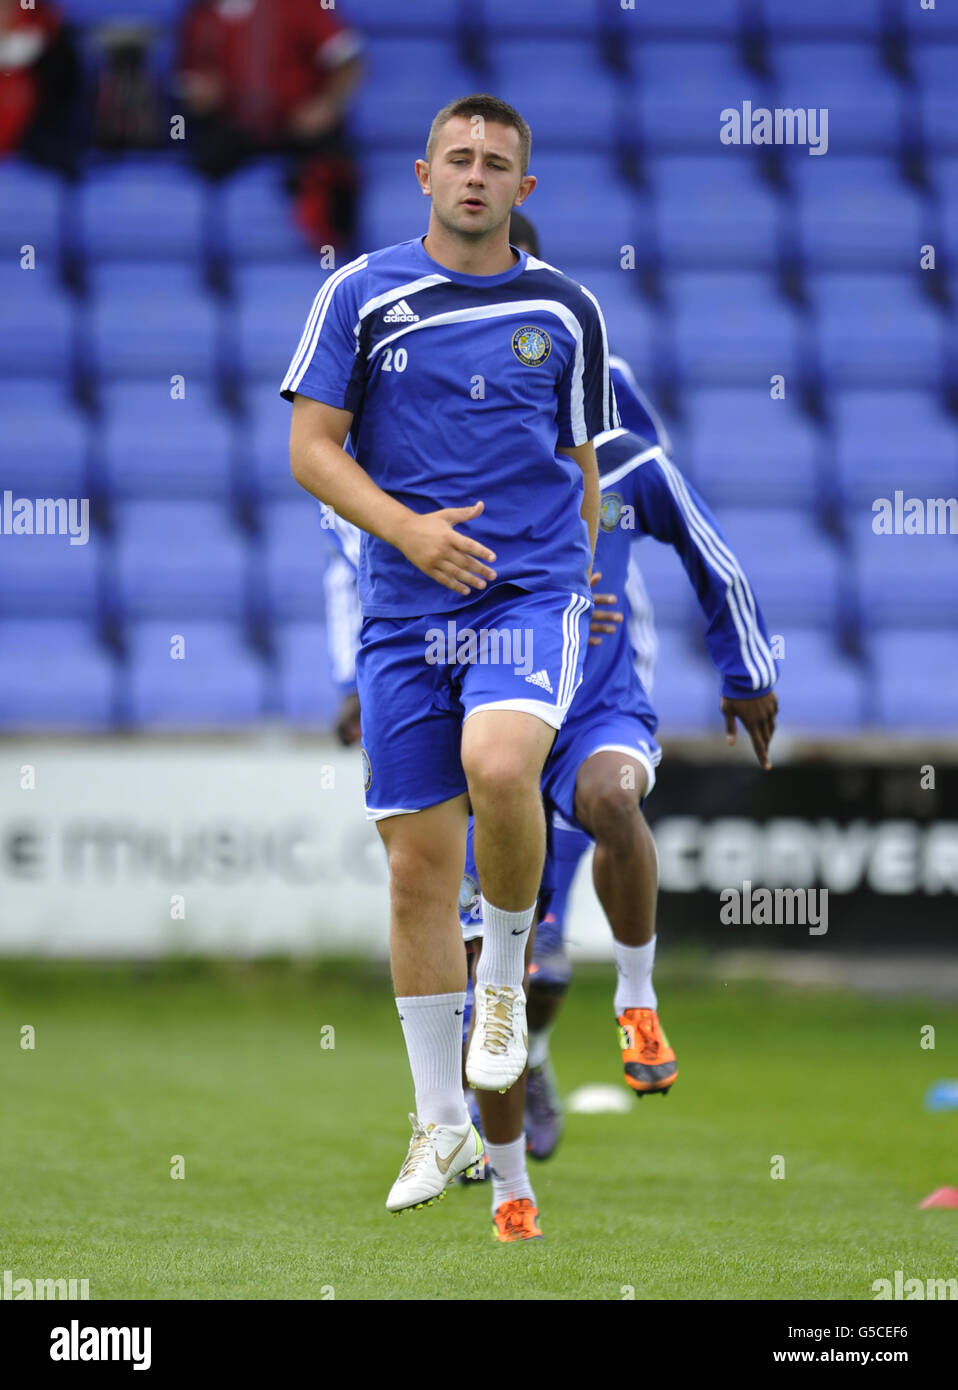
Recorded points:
(941, 1197)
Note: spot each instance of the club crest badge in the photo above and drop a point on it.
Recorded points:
(531, 345)
(610, 510)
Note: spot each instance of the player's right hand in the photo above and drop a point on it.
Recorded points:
(757, 713)
(605, 614)
(431, 543)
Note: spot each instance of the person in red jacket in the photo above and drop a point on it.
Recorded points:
(37, 83)
(267, 76)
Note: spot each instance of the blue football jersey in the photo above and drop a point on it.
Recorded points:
(644, 494)
(463, 387)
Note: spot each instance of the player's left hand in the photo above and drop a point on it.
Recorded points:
(348, 725)
(758, 719)
(606, 621)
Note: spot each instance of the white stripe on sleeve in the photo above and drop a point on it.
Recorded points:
(755, 652)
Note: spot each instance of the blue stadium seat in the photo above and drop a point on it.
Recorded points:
(35, 393)
(117, 279)
(392, 206)
(306, 691)
(916, 675)
(865, 104)
(253, 218)
(597, 119)
(712, 212)
(679, 89)
(46, 576)
(687, 688)
(856, 213)
(150, 208)
(565, 209)
(425, 17)
(945, 174)
(939, 23)
(36, 323)
(821, 689)
(794, 569)
(43, 442)
(293, 559)
(888, 440)
(904, 581)
(178, 560)
(406, 82)
(733, 328)
(272, 305)
(165, 12)
(31, 212)
(819, 19)
(934, 63)
(750, 450)
(54, 675)
(876, 330)
(153, 332)
(153, 446)
(221, 681)
(500, 19)
(265, 445)
(697, 18)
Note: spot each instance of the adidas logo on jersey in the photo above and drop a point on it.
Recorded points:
(400, 313)
(541, 678)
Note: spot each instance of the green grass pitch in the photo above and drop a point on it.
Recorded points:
(290, 1147)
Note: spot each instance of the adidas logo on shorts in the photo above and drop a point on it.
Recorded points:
(541, 678)
(400, 313)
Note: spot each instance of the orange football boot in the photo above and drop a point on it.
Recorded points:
(516, 1220)
(649, 1061)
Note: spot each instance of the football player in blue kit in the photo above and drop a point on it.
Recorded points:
(471, 380)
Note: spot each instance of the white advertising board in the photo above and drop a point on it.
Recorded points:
(141, 848)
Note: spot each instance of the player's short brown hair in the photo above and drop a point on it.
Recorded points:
(490, 108)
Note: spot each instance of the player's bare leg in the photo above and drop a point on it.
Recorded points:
(624, 866)
(426, 851)
(514, 1210)
(609, 790)
(503, 752)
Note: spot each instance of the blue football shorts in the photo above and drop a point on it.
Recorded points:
(419, 679)
(596, 730)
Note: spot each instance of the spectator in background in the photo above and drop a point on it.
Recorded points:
(275, 76)
(38, 83)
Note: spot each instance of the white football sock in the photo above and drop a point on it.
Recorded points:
(432, 1027)
(504, 937)
(633, 987)
(507, 1168)
(539, 1046)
